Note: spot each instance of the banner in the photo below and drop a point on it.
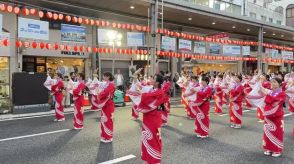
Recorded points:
(102, 36)
(273, 53)
(168, 43)
(1, 23)
(185, 45)
(72, 33)
(33, 29)
(214, 48)
(231, 50)
(199, 47)
(246, 50)
(135, 39)
(287, 55)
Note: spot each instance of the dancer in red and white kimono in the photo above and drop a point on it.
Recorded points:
(201, 106)
(265, 84)
(105, 101)
(236, 99)
(166, 89)
(218, 96)
(290, 93)
(247, 90)
(151, 105)
(273, 138)
(78, 98)
(56, 87)
(93, 86)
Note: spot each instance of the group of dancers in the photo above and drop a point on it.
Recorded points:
(151, 97)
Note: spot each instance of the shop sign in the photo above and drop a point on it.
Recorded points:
(185, 45)
(135, 39)
(103, 37)
(72, 33)
(4, 50)
(199, 47)
(273, 53)
(231, 50)
(72, 53)
(214, 48)
(287, 55)
(246, 50)
(168, 43)
(1, 23)
(33, 29)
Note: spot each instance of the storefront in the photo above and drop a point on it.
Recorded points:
(4, 76)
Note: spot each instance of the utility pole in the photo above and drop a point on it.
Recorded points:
(154, 24)
(260, 48)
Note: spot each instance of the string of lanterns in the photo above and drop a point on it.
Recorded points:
(103, 23)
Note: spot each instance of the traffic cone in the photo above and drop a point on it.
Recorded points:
(127, 98)
(86, 101)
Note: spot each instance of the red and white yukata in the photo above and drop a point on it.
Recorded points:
(166, 89)
(247, 90)
(78, 98)
(57, 92)
(105, 101)
(152, 121)
(290, 93)
(265, 85)
(201, 107)
(218, 99)
(236, 98)
(274, 121)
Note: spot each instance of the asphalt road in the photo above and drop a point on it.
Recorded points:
(180, 145)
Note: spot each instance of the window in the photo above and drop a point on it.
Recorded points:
(270, 20)
(253, 15)
(279, 22)
(289, 13)
(263, 18)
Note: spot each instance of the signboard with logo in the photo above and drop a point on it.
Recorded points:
(71, 33)
(168, 43)
(135, 39)
(214, 48)
(1, 23)
(103, 36)
(273, 53)
(246, 50)
(287, 55)
(199, 47)
(185, 45)
(231, 50)
(33, 29)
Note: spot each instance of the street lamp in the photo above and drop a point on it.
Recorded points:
(114, 39)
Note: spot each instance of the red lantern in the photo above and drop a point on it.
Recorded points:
(97, 23)
(41, 14)
(25, 12)
(109, 50)
(49, 15)
(145, 52)
(18, 44)
(2, 7)
(42, 45)
(118, 25)
(86, 21)
(95, 49)
(89, 49)
(92, 22)
(56, 46)
(9, 8)
(82, 48)
(60, 16)
(128, 26)
(68, 47)
(75, 48)
(102, 23)
(34, 45)
(26, 44)
(33, 11)
(107, 23)
(80, 20)
(16, 10)
(113, 25)
(48, 46)
(123, 26)
(68, 18)
(62, 47)
(55, 16)
(132, 27)
(74, 19)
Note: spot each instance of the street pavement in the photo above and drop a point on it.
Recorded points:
(40, 140)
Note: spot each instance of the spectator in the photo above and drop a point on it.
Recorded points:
(119, 80)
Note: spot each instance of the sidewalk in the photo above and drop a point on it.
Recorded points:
(11, 116)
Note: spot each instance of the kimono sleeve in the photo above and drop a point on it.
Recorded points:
(107, 91)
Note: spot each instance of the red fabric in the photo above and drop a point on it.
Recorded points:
(152, 121)
(94, 102)
(57, 92)
(107, 112)
(284, 86)
(259, 112)
(274, 122)
(166, 89)
(247, 90)
(236, 98)
(291, 104)
(218, 99)
(202, 111)
(135, 114)
(78, 103)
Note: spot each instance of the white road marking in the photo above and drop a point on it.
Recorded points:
(33, 135)
(117, 160)
(289, 114)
